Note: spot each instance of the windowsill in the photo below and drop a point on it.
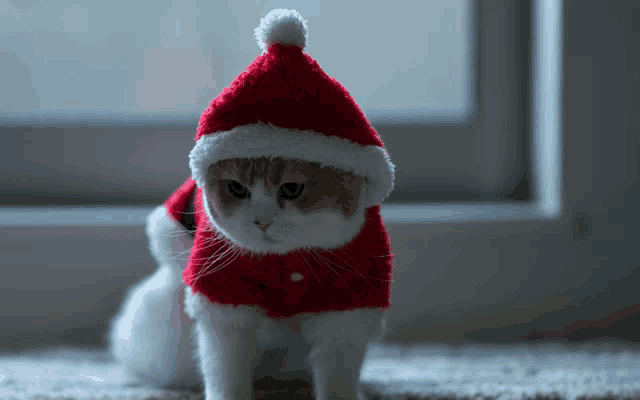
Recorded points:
(456, 212)
(391, 213)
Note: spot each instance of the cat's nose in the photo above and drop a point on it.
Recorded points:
(262, 225)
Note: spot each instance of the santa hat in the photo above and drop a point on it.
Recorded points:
(284, 105)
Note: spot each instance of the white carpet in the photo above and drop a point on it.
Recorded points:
(473, 370)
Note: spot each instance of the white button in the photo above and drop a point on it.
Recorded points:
(296, 277)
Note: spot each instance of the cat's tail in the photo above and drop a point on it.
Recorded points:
(152, 336)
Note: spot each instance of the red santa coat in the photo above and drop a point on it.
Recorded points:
(356, 275)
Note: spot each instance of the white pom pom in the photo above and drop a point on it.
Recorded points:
(282, 26)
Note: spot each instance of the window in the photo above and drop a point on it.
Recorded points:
(446, 83)
(125, 57)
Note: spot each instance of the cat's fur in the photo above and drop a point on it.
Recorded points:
(236, 345)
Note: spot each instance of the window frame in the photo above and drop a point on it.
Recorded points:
(485, 121)
(546, 140)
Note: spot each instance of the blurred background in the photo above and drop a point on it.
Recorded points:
(514, 131)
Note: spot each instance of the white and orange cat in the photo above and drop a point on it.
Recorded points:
(170, 336)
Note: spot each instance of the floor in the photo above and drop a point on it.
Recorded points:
(479, 370)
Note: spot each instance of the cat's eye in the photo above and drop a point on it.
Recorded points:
(236, 189)
(291, 191)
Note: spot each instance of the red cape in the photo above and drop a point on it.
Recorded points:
(356, 275)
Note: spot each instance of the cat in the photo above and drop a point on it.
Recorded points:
(261, 206)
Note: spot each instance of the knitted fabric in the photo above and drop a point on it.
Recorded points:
(287, 88)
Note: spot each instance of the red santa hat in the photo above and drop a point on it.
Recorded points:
(284, 105)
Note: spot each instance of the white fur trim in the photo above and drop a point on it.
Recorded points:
(282, 26)
(267, 140)
(169, 242)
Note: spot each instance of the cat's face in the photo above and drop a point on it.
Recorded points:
(275, 205)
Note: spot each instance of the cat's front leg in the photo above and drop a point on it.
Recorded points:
(226, 340)
(338, 346)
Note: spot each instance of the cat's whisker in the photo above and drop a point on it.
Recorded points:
(213, 240)
(368, 276)
(208, 258)
(209, 241)
(220, 267)
(362, 254)
(321, 258)
(176, 233)
(311, 269)
(209, 264)
(203, 247)
(352, 268)
(346, 253)
(373, 247)
(365, 277)
(177, 257)
(214, 234)
(374, 278)
(229, 249)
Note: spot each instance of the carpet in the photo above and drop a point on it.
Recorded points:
(590, 370)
